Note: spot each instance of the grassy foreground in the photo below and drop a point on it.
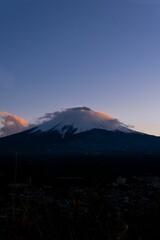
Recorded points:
(75, 209)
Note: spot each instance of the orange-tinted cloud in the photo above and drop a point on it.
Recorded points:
(104, 115)
(11, 124)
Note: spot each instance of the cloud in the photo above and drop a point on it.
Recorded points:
(82, 118)
(11, 124)
(47, 116)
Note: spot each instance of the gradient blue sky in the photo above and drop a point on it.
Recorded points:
(103, 54)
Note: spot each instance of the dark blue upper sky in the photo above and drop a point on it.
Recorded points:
(104, 54)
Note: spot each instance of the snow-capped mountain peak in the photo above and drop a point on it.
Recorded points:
(80, 119)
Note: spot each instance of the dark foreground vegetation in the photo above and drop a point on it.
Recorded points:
(79, 201)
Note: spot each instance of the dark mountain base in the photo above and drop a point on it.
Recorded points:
(45, 168)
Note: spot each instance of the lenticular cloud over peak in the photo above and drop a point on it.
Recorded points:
(11, 124)
(80, 119)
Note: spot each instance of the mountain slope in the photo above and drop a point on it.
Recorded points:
(80, 131)
(95, 141)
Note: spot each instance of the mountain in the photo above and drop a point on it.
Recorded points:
(80, 138)
(80, 131)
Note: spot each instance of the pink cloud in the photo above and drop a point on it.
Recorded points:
(11, 124)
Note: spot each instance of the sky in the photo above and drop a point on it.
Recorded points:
(103, 54)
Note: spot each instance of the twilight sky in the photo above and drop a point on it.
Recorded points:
(103, 54)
